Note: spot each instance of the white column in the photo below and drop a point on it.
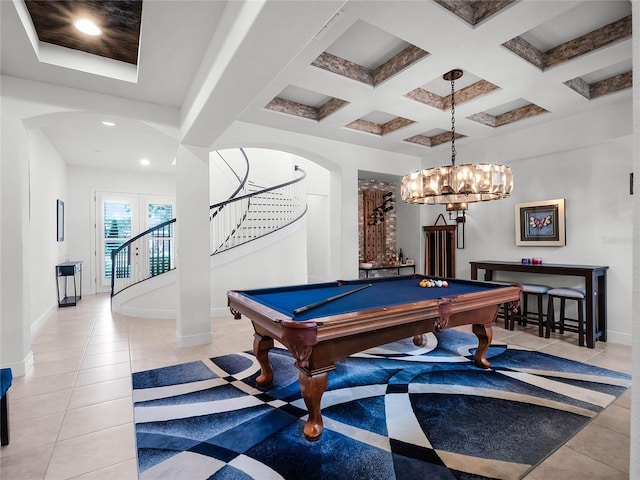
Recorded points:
(193, 323)
(634, 467)
(15, 318)
(344, 223)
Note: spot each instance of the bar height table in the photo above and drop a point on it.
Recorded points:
(595, 284)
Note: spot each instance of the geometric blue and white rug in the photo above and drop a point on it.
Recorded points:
(393, 412)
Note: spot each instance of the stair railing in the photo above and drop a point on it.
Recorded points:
(240, 220)
(233, 222)
(146, 255)
(151, 253)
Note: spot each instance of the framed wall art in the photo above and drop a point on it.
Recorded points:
(540, 224)
(60, 210)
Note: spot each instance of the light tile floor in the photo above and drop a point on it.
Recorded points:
(71, 415)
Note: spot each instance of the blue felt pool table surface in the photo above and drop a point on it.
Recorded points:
(383, 292)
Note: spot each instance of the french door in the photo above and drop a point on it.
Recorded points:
(119, 218)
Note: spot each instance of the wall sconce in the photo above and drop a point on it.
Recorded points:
(460, 218)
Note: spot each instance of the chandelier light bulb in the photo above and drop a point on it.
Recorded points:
(457, 184)
(87, 27)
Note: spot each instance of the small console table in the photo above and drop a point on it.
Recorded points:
(392, 267)
(63, 272)
(595, 284)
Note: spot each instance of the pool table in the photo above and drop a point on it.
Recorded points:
(323, 323)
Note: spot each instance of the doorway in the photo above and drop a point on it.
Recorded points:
(119, 218)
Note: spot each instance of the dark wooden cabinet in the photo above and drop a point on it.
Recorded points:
(440, 250)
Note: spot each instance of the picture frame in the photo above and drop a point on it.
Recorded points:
(540, 224)
(60, 220)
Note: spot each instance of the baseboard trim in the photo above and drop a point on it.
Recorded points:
(220, 312)
(35, 326)
(147, 312)
(617, 337)
(194, 340)
(19, 369)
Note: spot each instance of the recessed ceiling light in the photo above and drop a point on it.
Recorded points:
(108, 124)
(144, 162)
(87, 27)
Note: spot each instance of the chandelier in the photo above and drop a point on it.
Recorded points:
(457, 184)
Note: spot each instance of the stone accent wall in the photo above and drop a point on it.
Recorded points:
(519, 114)
(352, 70)
(594, 40)
(377, 129)
(611, 84)
(397, 63)
(603, 87)
(433, 140)
(444, 103)
(586, 43)
(524, 49)
(507, 117)
(389, 221)
(343, 67)
(474, 11)
(283, 105)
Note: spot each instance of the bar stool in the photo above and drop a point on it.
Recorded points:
(575, 325)
(504, 311)
(525, 315)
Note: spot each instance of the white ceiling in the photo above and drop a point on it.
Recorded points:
(199, 58)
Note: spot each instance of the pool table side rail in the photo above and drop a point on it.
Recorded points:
(354, 323)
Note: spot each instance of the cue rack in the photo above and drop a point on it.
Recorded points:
(440, 249)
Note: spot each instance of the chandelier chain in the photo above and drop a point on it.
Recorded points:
(456, 186)
(453, 123)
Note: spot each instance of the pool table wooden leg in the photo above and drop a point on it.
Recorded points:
(261, 347)
(485, 335)
(312, 388)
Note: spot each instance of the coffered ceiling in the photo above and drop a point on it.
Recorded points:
(364, 72)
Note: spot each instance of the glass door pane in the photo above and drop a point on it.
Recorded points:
(117, 230)
(160, 256)
(116, 223)
(122, 217)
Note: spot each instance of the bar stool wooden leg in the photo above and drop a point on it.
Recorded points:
(507, 316)
(581, 325)
(524, 309)
(540, 317)
(551, 324)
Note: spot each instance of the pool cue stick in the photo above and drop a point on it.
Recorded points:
(327, 300)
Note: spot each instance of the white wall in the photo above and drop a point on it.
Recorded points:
(222, 180)
(80, 209)
(409, 234)
(343, 162)
(48, 183)
(317, 220)
(15, 247)
(588, 165)
(277, 259)
(594, 181)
